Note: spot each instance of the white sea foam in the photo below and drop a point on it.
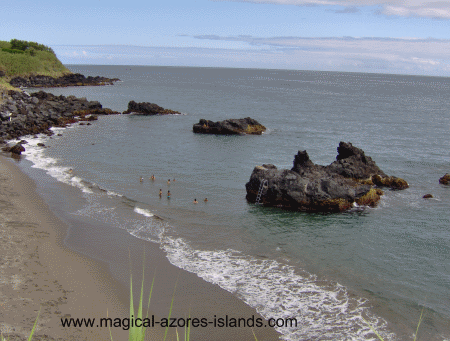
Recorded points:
(113, 194)
(274, 289)
(35, 154)
(279, 291)
(143, 211)
(151, 232)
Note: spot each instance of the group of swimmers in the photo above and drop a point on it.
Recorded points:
(141, 179)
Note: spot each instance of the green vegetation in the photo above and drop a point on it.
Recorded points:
(32, 330)
(379, 336)
(12, 51)
(27, 58)
(23, 45)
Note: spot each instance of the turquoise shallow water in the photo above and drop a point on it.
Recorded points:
(384, 263)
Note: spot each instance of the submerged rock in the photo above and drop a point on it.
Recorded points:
(309, 187)
(146, 108)
(230, 127)
(445, 180)
(428, 196)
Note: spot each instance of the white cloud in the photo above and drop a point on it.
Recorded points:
(383, 55)
(402, 8)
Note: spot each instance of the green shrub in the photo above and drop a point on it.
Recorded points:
(23, 45)
(12, 50)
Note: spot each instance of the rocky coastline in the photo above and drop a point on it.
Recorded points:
(23, 114)
(73, 79)
(353, 178)
(239, 126)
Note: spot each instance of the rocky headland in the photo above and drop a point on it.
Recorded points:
(23, 114)
(229, 127)
(146, 108)
(353, 178)
(73, 79)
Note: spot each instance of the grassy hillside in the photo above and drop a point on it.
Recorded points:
(24, 58)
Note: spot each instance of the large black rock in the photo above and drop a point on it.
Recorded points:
(309, 187)
(230, 127)
(146, 108)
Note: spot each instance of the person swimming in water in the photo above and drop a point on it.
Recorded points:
(141, 179)
(160, 192)
(168, 182)
(152, 177)
(195, 201)
(206, 199)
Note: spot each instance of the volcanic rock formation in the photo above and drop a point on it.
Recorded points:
(349, 180)
(145, 108)
(22, 114)
(230, 127)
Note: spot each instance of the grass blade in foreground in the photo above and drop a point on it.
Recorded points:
(138, 333)
(378, 335)
(170, 310)
(32, 330)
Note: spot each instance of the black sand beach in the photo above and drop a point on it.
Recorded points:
(42, 268)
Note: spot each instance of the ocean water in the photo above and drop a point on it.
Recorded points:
(385, 264)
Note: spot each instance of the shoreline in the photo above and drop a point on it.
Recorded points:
(107, 268)
(40, 273)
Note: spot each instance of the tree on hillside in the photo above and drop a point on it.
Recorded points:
(23, 45)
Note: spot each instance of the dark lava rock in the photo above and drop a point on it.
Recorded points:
(145, 108)
(314, 188)
(16, 149)
(230, 127)
(428, 196)
(40, 144)
(23, 114)
(445, 180)
(74, 79)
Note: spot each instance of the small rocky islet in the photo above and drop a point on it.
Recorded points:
(239, 126)
(149, 109)
(353, 178)
(445, 180)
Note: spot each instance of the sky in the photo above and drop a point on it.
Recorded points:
(377, 36)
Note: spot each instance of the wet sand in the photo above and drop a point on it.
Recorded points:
(65, 266)
(40, 275)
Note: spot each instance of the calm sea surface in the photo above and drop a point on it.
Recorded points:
(384, 264)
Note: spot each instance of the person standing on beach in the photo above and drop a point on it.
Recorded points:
(160, 192)
(168, 194)
(168, 182)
